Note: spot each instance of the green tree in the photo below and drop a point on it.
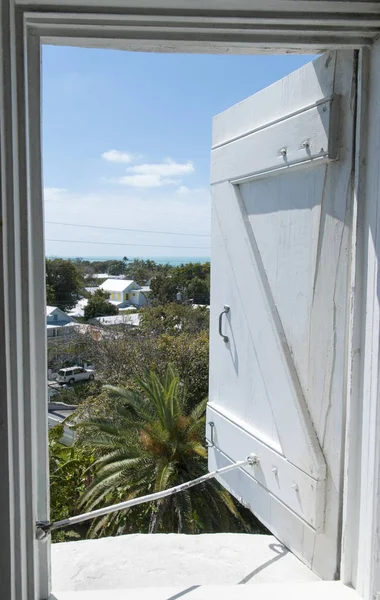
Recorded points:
(142, 270)
(189, 354)
(194, 280)
(198, 290)
(155, 441)
(50, 295)
(63, 282)
(164, 289)
(69, 475)
(98, 306)
(120, 358)
(116, 267)
(174, 319)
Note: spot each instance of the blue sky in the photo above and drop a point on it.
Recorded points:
(126, 143)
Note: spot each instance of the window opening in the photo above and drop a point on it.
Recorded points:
(128, 262)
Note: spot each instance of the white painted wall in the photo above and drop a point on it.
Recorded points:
(361, 523)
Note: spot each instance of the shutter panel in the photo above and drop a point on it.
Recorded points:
(281, 193)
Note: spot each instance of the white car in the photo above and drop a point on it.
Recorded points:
(73, 374)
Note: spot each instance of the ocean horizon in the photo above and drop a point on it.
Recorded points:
(161, 260)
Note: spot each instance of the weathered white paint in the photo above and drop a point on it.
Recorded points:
(270, 591)
(293, 139)
(210, 27)
(274, 472)
(361, 529)
(352, 484)
(280, 261)
(152, 561)
(24, 477)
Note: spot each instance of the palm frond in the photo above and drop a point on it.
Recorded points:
(154, 442)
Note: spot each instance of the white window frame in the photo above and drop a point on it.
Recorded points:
(24, 493)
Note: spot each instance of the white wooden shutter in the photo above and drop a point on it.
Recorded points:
(282, 188)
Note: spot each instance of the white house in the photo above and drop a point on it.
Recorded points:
(58, 323)
(124, 292)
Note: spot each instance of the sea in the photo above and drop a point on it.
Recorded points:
(161, 260)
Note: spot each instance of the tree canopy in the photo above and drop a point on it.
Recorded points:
(99, 306)
(63, 283)
(191, 280)
(155, 441)
(174, 319)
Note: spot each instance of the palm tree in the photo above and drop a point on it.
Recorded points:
(155, 442)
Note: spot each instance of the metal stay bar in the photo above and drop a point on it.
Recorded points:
(43, 528)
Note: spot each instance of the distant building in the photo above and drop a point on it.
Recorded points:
(78, 310)
(130, 320)
(58, 323)
(124, 292)
(57, 415)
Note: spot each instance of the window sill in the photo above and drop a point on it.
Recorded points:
(181, 561)
(321, 590)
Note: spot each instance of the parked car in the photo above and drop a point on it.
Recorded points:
(73, 374)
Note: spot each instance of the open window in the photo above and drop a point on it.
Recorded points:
(316, 404)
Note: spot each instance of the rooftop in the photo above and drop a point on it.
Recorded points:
(51, 309)
(61, 324)
(133, 319)
(116, 285)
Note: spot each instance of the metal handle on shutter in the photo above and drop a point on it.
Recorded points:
(211, 443)
(224, 312)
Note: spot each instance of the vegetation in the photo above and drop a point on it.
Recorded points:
(140, 425)
(65, 279)
(69, 475)
(138, 269)
(98, 306)
(174, 319)
(164, 289)
(142, 271)
(63, 283)
(192, 281)
(155, 440)
(121, 357)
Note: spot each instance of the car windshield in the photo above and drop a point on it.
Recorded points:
(61, 372)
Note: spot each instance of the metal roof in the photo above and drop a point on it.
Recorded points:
(116, 285)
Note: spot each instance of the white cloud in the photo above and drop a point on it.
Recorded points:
(157, 209)
(167, 168)
(145, 180)
(118, 157)
(154, 175)
(54, 191)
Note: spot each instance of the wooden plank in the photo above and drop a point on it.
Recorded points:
(284, 524)
(366, 561)
(283, 391)
(203, 21)
(312, 85)
(301, 493)
(311, 7)
(296, 139)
